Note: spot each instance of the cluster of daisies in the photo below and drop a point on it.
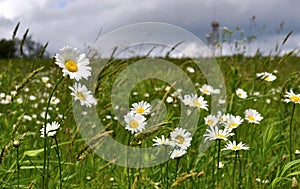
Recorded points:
(76, 66)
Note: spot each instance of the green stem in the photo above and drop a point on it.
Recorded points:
(45, 177)
(234, 167)
(240, 171)
(219, 150)
(59, 163)
(18, 168)
(291, 131)
(128, 170)
(177, 165)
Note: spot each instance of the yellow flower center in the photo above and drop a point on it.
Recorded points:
(179, 139)
(71, 66)
(233, 125)
(267, 78)
(236, 148)
(140, 110)
(196, 103)
(80, 96)
(221, 136)
(133, 124)
(251, 118)
(295, 98)
(206, 91)
(240, 94)
(210, 122)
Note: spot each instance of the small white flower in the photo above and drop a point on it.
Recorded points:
(235, 147)
(162, 141)
(208, 90)
(214, 133)
(45, 79)
(143, 108)
(81, 93)
(290, 96)
(135, 123)
(51, 129)
(194, 101)
(54, 100)
(252, 116)
(211, 120)
(190, 69)
(177, 153)
(266, 76)
(169, 99)
(73, 63)
(233, 122)
(241, 93)
(181, 138)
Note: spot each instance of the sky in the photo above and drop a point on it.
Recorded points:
(78, 22)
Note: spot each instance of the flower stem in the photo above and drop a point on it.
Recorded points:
(18, 169)
(128, 170)
(291, 131)
(45, 177)
(59, 163)
(219, 150)
(177, 165)
(233, 171)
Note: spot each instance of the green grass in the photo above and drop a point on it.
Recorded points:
(267, 158)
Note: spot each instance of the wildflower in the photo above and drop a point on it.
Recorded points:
(262, 181)
(73, 63)
(177, 153)
(211, 120)
(266, 76)
(45, 79)
(252, 116)
(233, 121)
(54, 100)
(81, 93)
(241, 93)
(292, 97)
(235, 147)
(162, 141)
(51, 129)
(135, 123)
(214, 133)
(181, 138)
(194, 101)
(208, 90)
(190, 69)
(169, 99)
(31, 97)
(142, 108)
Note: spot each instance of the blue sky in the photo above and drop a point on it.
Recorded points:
(77, 22)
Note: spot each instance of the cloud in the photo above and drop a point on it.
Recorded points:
(77, 22)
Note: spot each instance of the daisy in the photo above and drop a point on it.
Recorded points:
(208, 90)
(73, 63)
(51, 129)
(233, 121)
(194, 101)
(135, 123)
(162, 141)
(45, 79)
(211, 120)
(252, 116)
(292, 97)
(241, 93)
(266, 76)
(142, 108)
(177, 153)
(181, 137)
(235, 147)
(81, 93)
(214, 133)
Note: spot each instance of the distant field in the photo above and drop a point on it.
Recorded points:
(265, 165)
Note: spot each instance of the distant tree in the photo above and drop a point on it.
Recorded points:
(7, 48)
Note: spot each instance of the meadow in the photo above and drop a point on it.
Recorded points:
(65, 160)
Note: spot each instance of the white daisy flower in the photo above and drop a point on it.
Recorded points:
(194, 101)
(190, 69)
(73, 63)
(266, 76)
(214, 133)
(252, 116)
(177, 153)
(211, 120)
(233, 122)
(81, 93)
(208, 90)
(290, 96)
(235, 147)
(31, 97)
(241, 93)
(51, 129)
(45, 79)
(54, 100)
(135, 123)
(142, 108)
(162, 141)
(181, 138)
